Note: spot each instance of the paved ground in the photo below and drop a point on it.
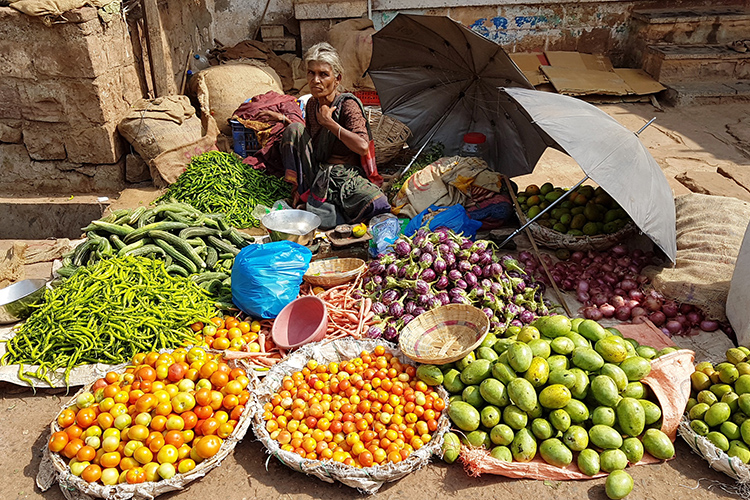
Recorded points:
(683, 139)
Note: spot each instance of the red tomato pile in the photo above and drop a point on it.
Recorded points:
(164, 415)
(367, 411)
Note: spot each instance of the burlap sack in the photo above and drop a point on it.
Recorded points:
(153, 126)
(169, 165)
(709, 235)
(221, 89)
(353, 41)
(53, 7)
(670, 382)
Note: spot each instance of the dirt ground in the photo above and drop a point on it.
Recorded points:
(682, 139)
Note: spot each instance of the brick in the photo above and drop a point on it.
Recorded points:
(80, 15)
(136, 169)
(15, 63)
(11, 132)
(314, 9)
(101, 144)
(44, 141)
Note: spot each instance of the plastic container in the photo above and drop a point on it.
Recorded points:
(302, 321)
(368, 97)
(474, 144)
(245, 140)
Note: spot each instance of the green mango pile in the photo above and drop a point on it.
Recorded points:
(585, 211)
(564, 390)
(719, 407)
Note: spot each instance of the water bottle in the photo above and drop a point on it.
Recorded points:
(198, 62)
(474, 144)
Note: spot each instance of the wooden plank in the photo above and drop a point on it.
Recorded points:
(161, 60)
(713, 183)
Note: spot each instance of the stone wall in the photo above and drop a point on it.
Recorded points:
(63, 89)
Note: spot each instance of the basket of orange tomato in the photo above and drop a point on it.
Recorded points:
(245, 340)
(349, 410)
(148, 428)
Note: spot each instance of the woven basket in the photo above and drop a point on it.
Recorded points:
(53, 468)
(388, 133)
(445, 334)
(553, 239)
(333, 272)
(369, 479)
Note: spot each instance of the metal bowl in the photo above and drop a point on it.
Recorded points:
(293, 225)
(16, 300)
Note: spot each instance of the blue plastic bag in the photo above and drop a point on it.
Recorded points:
(385, 229)
(454, 218)
(265, 278)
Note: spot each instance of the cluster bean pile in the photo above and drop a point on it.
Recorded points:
(106, 313)
(218, 182)
(437, 268)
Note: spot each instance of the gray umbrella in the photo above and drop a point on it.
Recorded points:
(608, 153)
(441, 79)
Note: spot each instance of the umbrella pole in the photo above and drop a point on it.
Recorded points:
(519, 212)
(528, 223)
(435, 129)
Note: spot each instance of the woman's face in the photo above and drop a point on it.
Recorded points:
(321, 79)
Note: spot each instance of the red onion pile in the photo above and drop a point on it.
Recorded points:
(610, 285)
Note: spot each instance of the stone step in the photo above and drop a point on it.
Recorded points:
(698, 93)
(38, 218)
(697, 25)
(682, 63)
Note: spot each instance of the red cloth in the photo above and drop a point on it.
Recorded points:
(269, 156)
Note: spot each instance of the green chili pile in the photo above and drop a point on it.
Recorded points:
(217, 182)
(106, 313)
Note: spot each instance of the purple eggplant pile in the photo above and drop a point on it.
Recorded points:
(437, 268)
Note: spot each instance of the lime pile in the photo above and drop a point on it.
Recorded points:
(586, 211)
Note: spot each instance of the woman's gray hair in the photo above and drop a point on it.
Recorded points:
(324, 52)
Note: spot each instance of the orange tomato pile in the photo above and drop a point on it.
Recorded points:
(161, 417)
(367, 411)
(230, 334)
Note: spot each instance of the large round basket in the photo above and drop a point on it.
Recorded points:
(444, 334)
(553, 239)
(368, 479)
(333, 272)
(388, 133)
(53, 468)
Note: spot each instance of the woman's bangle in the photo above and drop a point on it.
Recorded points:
(339, 132)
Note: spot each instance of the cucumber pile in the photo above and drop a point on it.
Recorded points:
(191, 243)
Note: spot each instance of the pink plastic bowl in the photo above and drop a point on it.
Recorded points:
(303, 320)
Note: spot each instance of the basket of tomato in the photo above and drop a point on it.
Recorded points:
(148, 428)
(349, 410)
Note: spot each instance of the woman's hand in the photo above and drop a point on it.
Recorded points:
(324, 115)
(270, 116)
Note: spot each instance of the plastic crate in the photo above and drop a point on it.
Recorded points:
(368, 97)
(245, 140)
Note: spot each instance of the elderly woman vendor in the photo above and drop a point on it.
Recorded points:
(323, 158)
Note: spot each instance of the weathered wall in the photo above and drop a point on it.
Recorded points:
(63, 89)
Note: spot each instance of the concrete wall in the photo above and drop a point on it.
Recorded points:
(63, 89)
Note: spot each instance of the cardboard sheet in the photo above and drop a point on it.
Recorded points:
(639, 81)
(528, 63)
(576, 81)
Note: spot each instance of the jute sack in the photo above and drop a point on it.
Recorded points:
(169, 165)
(353, 41)
(221, 89)
(153, 126)
(709, 235)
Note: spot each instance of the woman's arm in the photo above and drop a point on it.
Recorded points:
(274, 116)
(353, 141)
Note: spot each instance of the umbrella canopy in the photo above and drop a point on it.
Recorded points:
(608, 153)
(436, 76)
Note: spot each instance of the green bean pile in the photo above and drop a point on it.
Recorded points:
(217, 182)
(106, 313)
